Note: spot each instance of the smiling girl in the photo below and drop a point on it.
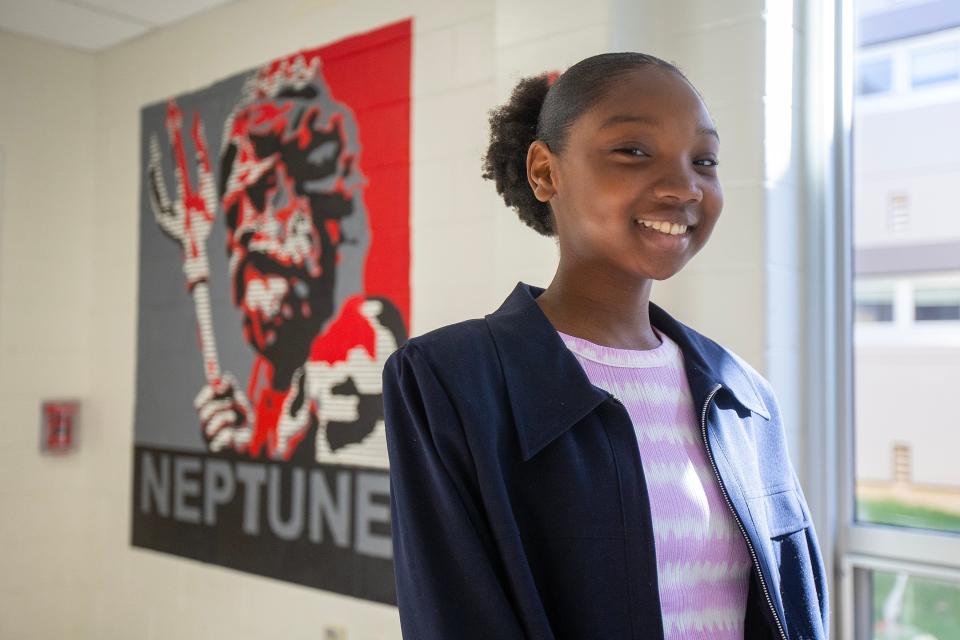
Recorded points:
(578, 463)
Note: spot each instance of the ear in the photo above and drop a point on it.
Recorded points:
(540, 171)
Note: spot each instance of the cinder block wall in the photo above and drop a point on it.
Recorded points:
(69, 140)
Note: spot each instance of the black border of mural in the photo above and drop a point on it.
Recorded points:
(322, 565)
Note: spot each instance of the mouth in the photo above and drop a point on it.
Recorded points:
(665, 235)
(665, 227)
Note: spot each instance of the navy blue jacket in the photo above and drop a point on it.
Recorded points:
(518, 502)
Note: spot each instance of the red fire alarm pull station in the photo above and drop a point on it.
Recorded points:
(59, 425)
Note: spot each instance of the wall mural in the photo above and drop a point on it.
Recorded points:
(274, 283)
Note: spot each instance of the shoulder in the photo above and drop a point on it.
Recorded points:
(464, 336)
(720, 353)
(446, 367)
(465, 345)
(722, 363)
(748, 369)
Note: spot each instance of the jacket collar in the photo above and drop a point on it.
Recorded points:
(548, 389)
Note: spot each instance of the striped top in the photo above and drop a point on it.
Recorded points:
(703, 564)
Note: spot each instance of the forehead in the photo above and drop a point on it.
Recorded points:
(649, 93)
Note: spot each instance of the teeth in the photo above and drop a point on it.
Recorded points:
(665, 227)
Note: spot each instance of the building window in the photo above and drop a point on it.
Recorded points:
(937, 304)
(935, 65)
(875, 77)
(873, 302)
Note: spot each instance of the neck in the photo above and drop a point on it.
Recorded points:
(604, 308)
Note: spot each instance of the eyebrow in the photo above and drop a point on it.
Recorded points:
(653, 122)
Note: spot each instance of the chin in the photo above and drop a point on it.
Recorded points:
(658, 273)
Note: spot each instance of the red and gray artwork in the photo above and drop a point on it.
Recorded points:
(274, 283)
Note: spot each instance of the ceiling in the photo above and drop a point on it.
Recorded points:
(93, 25)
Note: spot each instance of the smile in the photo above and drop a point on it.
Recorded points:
(673, 229)
(664, 236)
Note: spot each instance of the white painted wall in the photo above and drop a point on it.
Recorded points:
(68, 262)
(47, 140)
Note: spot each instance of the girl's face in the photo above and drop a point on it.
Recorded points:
(645, 153)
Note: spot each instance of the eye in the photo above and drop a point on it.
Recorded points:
(709, 162)
(631, 151)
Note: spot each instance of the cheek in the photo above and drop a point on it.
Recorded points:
(709, 212)
(712, 203)
(603, 200)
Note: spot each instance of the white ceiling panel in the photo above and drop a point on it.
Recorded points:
(66, 24)
(92, 25)
(155, 12)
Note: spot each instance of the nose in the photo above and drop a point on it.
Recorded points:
(679, 184)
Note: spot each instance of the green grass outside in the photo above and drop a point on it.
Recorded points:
(929, 606)
(905, 515)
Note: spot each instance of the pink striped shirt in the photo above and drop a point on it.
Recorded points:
(703, 564)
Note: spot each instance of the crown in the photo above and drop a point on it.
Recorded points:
(293, 72)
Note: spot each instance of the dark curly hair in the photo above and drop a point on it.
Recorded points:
(541, 108)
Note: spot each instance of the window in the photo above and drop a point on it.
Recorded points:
(906, 606)
(903, 476)
(897, 328)
(874, 302)
(936, 65)
(875, 76)
(937, 304)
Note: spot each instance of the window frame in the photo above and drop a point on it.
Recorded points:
(829, 93)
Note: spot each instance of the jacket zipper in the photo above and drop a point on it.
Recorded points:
(743, 531)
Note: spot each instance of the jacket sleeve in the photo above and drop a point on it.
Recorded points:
(449, 581)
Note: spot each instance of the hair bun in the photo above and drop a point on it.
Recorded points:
(513, 127)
